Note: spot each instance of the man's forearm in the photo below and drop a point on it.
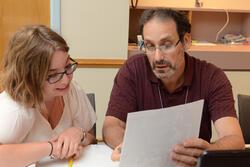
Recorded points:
(228, 142)
(113, 136)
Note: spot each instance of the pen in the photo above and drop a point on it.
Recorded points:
(70, 164)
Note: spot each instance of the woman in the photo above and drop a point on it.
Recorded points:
(42, 113)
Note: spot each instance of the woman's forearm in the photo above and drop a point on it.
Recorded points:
(23, 154)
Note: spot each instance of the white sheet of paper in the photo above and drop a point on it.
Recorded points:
(150, 135)
(93, 156)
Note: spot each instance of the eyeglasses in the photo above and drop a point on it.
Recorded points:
(166, 48)
(69, 69)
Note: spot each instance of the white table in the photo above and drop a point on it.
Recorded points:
(92, 156)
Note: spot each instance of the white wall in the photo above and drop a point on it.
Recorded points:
(240, 82)
(100, 82)
(96, 29)
(241, 85)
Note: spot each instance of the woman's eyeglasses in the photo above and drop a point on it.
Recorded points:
(69, 69)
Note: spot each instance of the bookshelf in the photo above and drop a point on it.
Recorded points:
(206, 21)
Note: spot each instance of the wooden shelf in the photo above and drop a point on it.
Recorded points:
(227, 57)
(206, 48)
(133, 49)
(100, 63)
(207, 22)
(220, 48)
(208, 5)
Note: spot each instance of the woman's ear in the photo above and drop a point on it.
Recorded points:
(187, 41)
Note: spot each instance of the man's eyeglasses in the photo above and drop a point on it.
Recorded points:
(69, 69)
(166, 48)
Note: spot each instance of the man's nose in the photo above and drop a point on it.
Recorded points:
(158, 54)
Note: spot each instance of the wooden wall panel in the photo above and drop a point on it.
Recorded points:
(17, 13)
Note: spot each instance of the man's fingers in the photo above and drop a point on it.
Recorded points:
(193, 152)
(116, 154)
(184, 160)
(196, 143)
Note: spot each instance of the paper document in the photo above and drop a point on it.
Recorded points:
(150, 135)
(93, 156)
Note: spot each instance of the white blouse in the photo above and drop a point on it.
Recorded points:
(19, 124)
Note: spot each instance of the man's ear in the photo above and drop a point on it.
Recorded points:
(187, 41)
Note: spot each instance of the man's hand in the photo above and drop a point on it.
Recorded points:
(187, 153)
(116, 154)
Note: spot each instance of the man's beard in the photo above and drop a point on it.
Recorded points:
(167, 72)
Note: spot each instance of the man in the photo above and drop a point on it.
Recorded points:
(167, 76)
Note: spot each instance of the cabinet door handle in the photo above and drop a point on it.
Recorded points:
(134, 5)
(199, 3)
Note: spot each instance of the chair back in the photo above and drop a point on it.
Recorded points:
(91, 97)
(244, 116)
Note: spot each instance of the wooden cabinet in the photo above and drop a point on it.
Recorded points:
(15, 14)
(206, 26)
(239, 5)
(231, 5)
(207, 22)
(164, 3)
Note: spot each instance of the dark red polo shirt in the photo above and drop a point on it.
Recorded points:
(136, 88)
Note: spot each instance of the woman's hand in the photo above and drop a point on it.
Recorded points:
(68, 143)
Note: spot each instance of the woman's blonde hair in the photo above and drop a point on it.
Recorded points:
(27, 62)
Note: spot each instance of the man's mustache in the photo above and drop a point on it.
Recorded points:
(164, 62)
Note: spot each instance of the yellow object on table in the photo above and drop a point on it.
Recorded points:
(70, 164)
